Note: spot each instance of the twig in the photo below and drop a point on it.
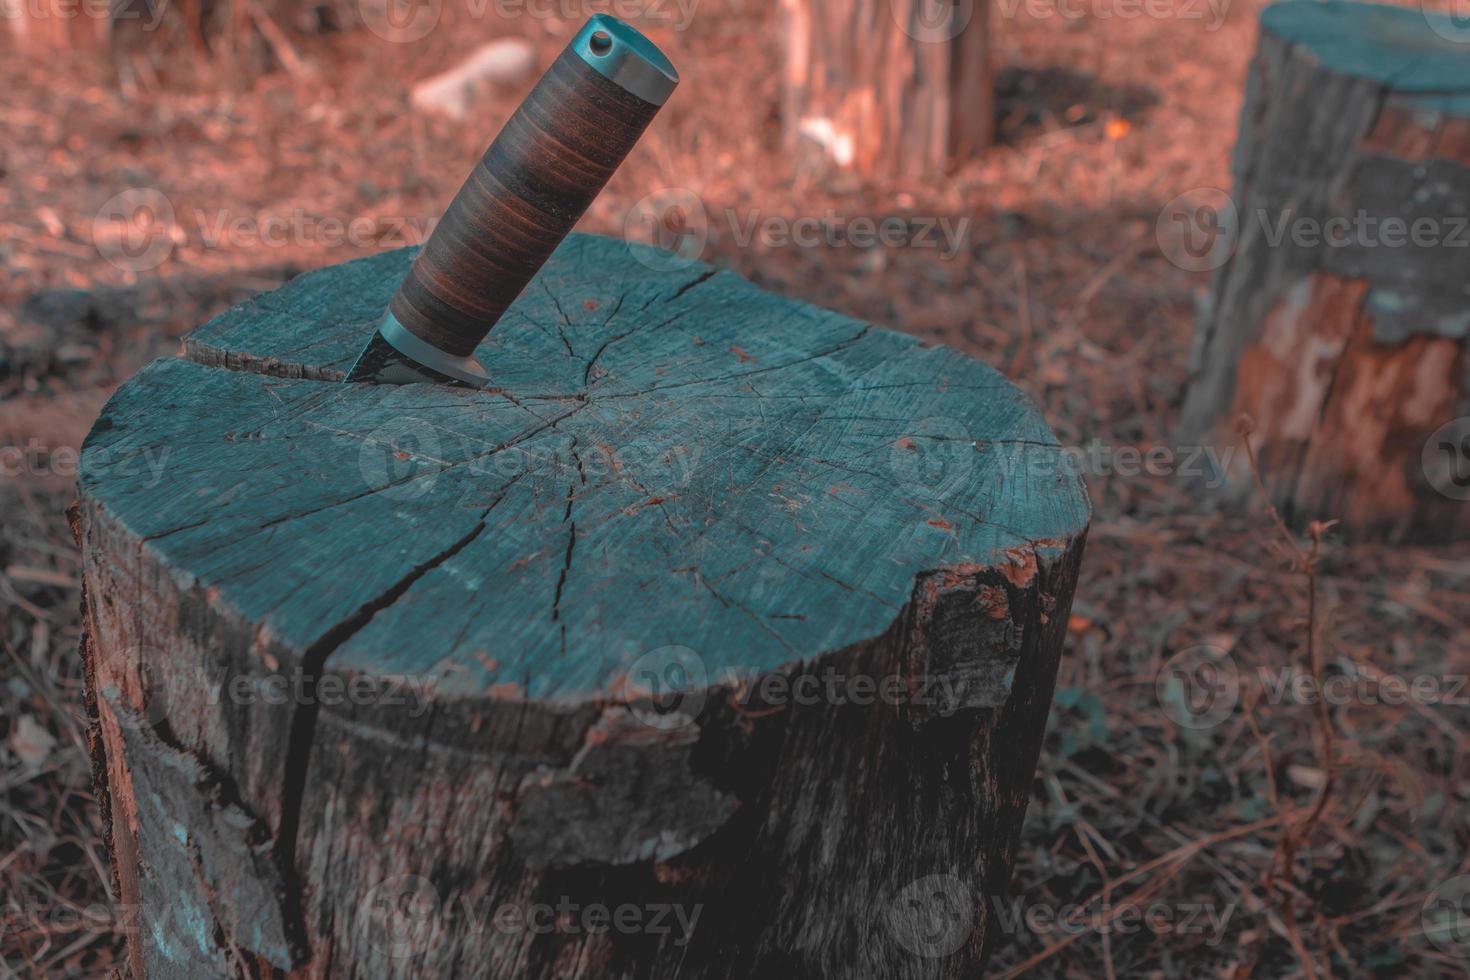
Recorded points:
(1295, 835)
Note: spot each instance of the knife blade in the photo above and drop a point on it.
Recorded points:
(552, 158)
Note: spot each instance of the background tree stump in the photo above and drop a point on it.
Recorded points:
(1339, 322)
(402, 681)
(892, 88)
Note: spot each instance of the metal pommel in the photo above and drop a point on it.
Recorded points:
(623, 56)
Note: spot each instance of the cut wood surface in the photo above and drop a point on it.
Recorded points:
(1339, 323)
(537, 629)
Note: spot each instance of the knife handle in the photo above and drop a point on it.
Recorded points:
(550, 160)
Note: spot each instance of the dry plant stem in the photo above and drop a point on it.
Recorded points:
(1107, 897)
(1295, 834)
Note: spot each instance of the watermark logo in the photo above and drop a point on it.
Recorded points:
(135, 230)
(1211, 12)
(1200, 229)
(144, 464)
(937, 694)
(943, 234)
(933, 916)
(1446, 459)
(1197, 230)
(1446, 916)
(1452, 24)
(402, 459)
(397, 916)
(175, 688)
(1207, 465)
(407, 21)
(935, 458)
(401, 21)
(1198, 687)
(171, 688)
(667, 687)
(674, 221)
(932, 21)
(149, 15)
(400, 917)
(674, 14)
(1101, 917)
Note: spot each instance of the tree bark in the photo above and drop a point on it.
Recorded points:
(887, 88)
(54, 26)
(1340, 306)
(718, 640)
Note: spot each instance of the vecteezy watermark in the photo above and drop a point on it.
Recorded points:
(405, 459)
(945, 235)
(35, 458)
(150, 15)
(674, 221)
(932, 916)
(1210, 12)
(146, 463)
(677, 223)
(935, 458)
(407, 21)
(1198, 687)
(938, 695)
(402, 459)
(401, 917)
(1208, 465)
(1452, 24)
(410, 692)
(938, 455)
(666, 688)
(1128, 918)
(1200, 229)
(669, 687)
(1445, 916)
(1292, 685)
(52, 920)
(174, 687)
(932, 21)
(138, 229)
(1446, 459)
(674, 14)
(1197, 230)
(401, 21)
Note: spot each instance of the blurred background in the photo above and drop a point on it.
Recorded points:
(160, 162)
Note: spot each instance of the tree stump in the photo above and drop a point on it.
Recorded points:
(717, 641)
(893, 88)
(1339, 323)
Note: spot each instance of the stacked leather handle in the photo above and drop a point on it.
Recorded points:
(535, 181)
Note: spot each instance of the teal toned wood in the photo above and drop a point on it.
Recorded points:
(1339, 310)
(1411, 50)
(678, 481)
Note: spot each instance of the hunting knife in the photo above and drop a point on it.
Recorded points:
(540, 174)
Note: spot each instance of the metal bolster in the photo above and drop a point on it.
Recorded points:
(460, 368)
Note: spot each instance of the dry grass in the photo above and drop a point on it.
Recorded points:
(1319, 851)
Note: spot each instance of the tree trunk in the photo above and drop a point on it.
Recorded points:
(1340, 307)
(887, 88)
(717, 641)
(49, 27)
